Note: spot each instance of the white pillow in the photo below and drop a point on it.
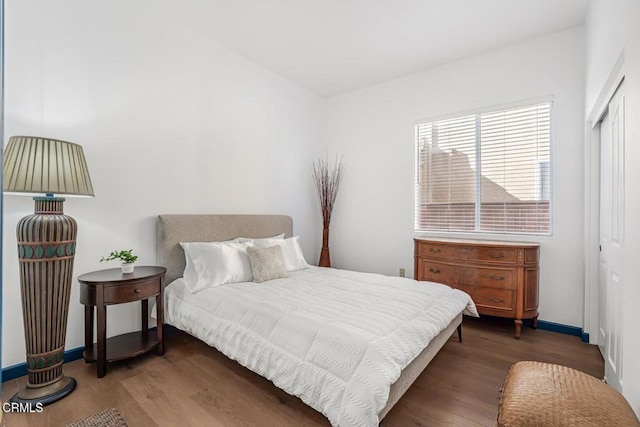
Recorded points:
(293, 256)
(215, 263)
(260, 241)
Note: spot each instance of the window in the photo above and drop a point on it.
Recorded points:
(487, 172)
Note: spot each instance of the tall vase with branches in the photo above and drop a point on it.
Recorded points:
(327, 179)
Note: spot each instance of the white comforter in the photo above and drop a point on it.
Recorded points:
(337, 339)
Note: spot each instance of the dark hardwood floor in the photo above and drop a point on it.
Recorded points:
(195, 385)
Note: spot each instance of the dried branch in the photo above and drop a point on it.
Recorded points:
(327, 180)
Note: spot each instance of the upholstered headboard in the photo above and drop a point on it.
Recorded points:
(173, 229)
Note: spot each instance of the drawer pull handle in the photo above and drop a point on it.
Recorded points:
(137, 291)
(497, 256)
(434, 270)
(434, 250)
(496, 276)
(496, 300)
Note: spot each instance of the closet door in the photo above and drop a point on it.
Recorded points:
(612, 238)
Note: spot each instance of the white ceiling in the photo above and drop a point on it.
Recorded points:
(335, 46)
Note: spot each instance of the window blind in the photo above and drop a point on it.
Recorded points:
(485, 172)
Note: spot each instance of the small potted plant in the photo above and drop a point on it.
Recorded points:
(127, 259)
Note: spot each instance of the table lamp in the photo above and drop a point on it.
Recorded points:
(46, 248)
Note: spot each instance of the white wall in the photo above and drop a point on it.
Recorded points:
(170, 123)
(372, 225)
(611, 28)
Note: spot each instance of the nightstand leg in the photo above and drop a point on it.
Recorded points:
(88, 330)
(518, 324)
(160, 326)
(102, 340)
(145, 315)
(534, 322)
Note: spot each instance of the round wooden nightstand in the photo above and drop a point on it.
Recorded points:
(101, 288)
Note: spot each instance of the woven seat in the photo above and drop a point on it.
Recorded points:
(543, 394)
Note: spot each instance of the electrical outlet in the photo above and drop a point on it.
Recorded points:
(402, 272)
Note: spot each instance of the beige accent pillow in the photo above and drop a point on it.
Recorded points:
(267, 263)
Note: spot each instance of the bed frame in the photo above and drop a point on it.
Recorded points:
(173, 229)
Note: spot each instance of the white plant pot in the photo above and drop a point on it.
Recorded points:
(127, 267)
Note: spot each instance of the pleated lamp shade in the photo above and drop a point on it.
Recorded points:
(44, 165)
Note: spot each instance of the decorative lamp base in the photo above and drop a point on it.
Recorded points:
(46, 248)
(47, 394)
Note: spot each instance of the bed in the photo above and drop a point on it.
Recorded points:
(310, 317)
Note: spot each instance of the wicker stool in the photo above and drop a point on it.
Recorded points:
(543, 394)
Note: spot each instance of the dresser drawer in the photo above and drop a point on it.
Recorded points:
(434, 271)
(433, 250)
(496, 299)
(497, 255)
(123, 293)
(451, 274)
(489, 277)
(501, 255)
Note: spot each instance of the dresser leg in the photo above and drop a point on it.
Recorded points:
(534, 322)
(518, 324)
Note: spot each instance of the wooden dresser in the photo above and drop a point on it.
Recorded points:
(501, 277)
